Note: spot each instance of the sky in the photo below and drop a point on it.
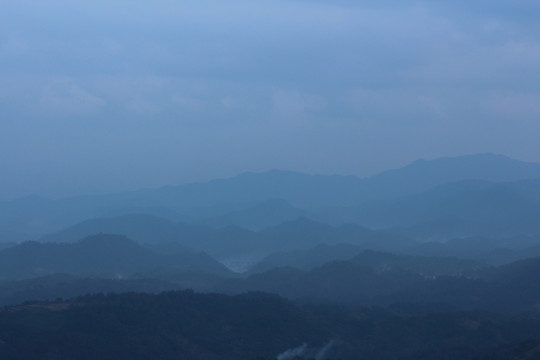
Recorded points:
(102, 96)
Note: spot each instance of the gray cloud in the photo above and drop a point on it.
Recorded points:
(145, 94)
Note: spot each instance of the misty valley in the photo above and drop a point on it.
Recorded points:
(270, 180)
(436, 260)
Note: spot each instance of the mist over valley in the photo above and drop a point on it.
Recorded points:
(270, 180)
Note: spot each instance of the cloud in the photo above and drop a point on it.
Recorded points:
(519, 107)
(66, 99)
(208, 88)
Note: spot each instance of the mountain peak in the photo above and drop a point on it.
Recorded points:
(424, 174)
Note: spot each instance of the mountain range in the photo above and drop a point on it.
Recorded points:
(257, 200)
(464, 208)
(230, 244)
(111, 263)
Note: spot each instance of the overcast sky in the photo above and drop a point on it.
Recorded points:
(100, 96)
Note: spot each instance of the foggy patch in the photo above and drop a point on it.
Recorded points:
(304, 351)
(292, 353)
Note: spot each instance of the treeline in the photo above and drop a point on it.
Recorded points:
(188, 325)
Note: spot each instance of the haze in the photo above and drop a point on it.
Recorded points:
(104, 96)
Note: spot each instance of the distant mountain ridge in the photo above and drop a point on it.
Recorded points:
(234, 200)
(422, 174)
(230, 242)
(262, 215)
(464, 208)
(308, 191)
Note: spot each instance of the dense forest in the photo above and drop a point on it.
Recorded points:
(255, 326)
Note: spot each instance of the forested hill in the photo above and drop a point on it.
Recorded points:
(251, 326)
(106, 255)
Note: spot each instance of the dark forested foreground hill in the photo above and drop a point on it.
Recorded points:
(185, 325)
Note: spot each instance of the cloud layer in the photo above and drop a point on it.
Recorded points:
(103, 96)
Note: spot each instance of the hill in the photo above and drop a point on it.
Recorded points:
(422, 175)
(494, 251)
(231, 243)
(262, 215)
(109, 256)
(372, 278)
(250, 326)
(460, 209)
